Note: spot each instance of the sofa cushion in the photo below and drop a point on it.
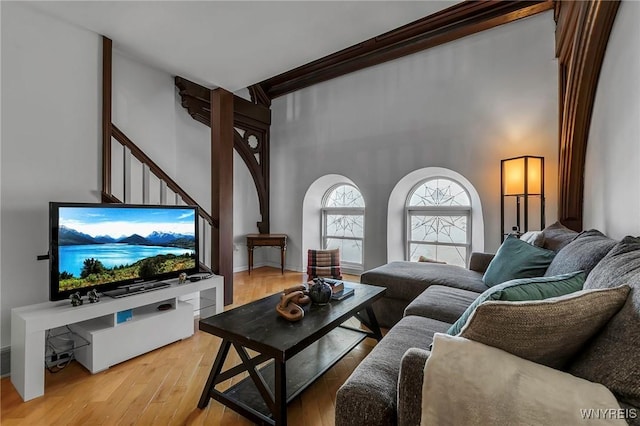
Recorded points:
(549, 331)
(369, 396)
(468, 383)
(517, 259)
(535, 238)
(523, 289)
(479, 262)
(429, 260)
(441, 303)
(557, 236)
(406, 280)
(613, 356)
(581, 254)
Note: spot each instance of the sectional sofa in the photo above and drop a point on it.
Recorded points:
(596, 335)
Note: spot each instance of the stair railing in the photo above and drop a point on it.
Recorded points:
(136, 178)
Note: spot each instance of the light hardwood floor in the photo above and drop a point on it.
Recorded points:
(163, 386)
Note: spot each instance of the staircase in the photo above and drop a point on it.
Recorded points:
(130, 176)
(135, 178)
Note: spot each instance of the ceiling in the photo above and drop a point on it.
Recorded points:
(233, 44)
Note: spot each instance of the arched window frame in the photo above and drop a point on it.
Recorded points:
(327, 211)
(411, 210)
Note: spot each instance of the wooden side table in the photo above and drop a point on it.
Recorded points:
(267, 240)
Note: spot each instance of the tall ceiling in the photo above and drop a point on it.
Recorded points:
(233, 44)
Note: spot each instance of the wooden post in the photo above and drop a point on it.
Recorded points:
(106, 116)
(222, 186)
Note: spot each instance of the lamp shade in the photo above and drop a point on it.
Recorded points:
(523, 172)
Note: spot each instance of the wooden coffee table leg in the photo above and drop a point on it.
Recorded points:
(280, 412)
(373, 324)
(215, 370)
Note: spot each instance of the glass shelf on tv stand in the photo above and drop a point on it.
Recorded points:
(61, 344)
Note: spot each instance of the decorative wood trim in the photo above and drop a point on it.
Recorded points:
(196, 99)
(450, 24)
(259, 170)
(222, 186)
(582, 33)
(110, 198)
(107, 55)
(244, 110)
(259, 96)
(254, 119)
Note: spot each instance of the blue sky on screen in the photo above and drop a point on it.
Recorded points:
(118, 222)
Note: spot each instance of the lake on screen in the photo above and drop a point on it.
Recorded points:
(72, 257)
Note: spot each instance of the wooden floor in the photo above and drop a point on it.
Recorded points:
(163, 386)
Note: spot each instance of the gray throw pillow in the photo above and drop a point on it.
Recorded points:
(548, 332)
(517, 259)
(581, 254)
(613, 356)
(524, 289)
(557, 236)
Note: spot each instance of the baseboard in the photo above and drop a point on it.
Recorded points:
(5, 361)
(243, 268)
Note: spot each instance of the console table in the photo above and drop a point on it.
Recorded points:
(267, 240)
(109, 342)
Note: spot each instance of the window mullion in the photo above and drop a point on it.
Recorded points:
(435, 198)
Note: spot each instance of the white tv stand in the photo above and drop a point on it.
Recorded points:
(110, 342)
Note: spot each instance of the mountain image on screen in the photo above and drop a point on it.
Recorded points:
(71, 237)
(100, 246)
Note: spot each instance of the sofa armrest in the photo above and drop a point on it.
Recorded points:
(410, 386)
(480, 261)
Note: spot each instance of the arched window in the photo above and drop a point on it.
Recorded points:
(438, 222)
(343, 224)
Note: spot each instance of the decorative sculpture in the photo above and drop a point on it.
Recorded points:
(93, 296)
(76, 299)
(320, 292)
(301, 300)
(287, 309)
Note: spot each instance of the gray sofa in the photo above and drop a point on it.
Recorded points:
(423, 299)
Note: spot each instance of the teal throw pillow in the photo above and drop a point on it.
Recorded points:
(524, 289)
(517, 259)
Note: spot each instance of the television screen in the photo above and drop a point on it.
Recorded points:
(104, 246)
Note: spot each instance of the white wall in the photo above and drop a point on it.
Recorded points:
(50, 141)
(612, 181)
(146, 107)
(464, 106)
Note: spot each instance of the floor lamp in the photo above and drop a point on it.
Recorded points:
(522, 178)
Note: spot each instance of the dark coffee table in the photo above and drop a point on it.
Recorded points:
(291, 355)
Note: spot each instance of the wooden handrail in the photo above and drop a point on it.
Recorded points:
(118, 135)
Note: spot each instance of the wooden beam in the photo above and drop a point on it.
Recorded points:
(243, 109)
(583, 30)
(254, 120)
(450, 24)
(222, 133)
(107, 55)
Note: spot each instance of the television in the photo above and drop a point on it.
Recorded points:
(106, 246)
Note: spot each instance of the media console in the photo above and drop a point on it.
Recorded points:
(110, 342)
